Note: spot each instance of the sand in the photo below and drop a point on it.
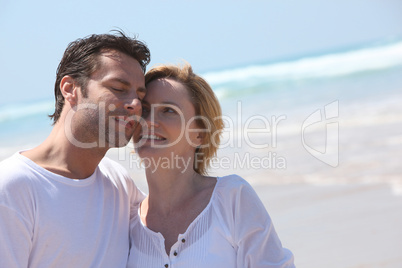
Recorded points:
(334, 224)
(355, 225)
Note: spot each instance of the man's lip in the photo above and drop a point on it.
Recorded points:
(129, 123)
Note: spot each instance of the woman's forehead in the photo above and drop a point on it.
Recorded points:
(166, 89)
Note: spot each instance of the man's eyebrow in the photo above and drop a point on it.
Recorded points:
(116, 79)
(126, 83)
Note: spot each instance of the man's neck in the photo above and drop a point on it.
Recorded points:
(58, 155)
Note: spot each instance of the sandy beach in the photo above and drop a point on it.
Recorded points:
(355, 225)
(335, 225)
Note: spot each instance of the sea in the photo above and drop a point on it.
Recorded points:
(326, 116)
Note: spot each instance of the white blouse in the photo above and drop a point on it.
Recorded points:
(234, 230)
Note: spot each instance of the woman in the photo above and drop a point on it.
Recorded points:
(189, 219)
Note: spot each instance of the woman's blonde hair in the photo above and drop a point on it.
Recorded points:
(206, 106)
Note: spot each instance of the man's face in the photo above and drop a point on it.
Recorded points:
(109, 113)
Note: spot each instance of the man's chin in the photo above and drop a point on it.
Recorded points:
(118, 143)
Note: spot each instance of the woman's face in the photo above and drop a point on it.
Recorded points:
(169, 127)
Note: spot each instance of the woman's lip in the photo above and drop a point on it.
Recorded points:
(153, 134)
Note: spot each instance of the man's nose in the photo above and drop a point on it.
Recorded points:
(133, 106)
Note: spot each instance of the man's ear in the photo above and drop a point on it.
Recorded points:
(69, 89)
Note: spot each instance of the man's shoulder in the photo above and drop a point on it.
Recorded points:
(13, 166)
(15, 174)
(13, 159)
(115, 172)
(108, 165)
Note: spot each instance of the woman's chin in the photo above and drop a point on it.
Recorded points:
(152, 152)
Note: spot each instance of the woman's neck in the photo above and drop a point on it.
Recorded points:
(175, 199)
(171, 188)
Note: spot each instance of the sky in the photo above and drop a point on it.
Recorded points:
(210, 35)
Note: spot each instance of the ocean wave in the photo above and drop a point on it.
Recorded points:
(11, 112)
(317, 67)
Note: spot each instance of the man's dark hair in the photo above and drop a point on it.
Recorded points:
(80, 60)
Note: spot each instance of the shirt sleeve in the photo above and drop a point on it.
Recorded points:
(257, 242)
(15, 236)
(137, 196)
(16, 217)
(119, 174)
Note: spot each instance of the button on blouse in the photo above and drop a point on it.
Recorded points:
(234, 230)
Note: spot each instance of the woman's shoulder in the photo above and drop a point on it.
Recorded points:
(235, 196)
(233, 186)
(232, 181)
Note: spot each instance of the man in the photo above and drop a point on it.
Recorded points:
(62, 204)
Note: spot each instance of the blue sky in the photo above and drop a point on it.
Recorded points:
(209, 34)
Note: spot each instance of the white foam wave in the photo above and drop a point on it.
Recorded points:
(329, 65)
(20, 110)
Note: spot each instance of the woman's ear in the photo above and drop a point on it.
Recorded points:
(69, 90)
(200, 138)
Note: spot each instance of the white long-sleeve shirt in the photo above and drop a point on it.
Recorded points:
(47, 220)
(234, 230)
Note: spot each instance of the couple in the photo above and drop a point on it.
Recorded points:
(63, 204)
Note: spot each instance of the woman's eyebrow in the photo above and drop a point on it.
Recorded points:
(142, 90)
(163, 103)
(170, 103)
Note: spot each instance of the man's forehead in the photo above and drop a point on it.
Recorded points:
(111, 60)
(111, 54)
